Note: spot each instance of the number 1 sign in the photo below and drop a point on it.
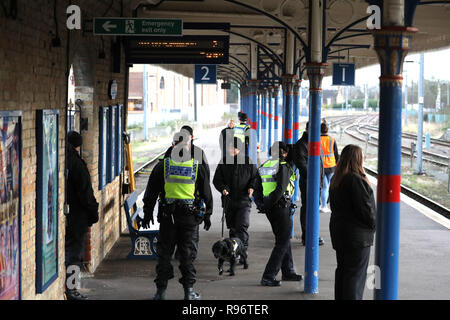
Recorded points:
(205, 74)
(343, 74)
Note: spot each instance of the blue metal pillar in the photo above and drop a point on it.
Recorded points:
(264, 122)
(420, 99)
(252, 120)
(288, 97)
(288, 100)
(296, 129)
(276, 113)
(270, 97)
(392, 45)
(258, 117)
(244, 99)
(315, 75)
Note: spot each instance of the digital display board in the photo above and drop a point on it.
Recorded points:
(178, 50)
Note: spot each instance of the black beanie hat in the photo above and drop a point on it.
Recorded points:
(242, 117)
(75, 139)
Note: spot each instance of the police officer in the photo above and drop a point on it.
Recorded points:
(273, 195)
(182, 184)
(241, 131)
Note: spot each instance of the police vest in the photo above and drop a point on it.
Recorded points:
(179, 180)
(327, 143)
(268, 172)
(239, 131)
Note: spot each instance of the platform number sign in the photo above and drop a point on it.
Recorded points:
(205, 74)
(343, 74)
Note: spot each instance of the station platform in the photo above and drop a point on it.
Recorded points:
(423, 272)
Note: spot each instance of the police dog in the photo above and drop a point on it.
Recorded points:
(231, 250)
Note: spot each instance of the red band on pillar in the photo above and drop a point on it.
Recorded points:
(296, 126)
(314, 149)
(288, 134)
(388, 189)
(276, 118)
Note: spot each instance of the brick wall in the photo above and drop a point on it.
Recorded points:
(33, 76)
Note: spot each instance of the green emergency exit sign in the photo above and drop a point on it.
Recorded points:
(137, 27)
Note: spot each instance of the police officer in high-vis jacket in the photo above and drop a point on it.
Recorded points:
(241, 131)
(182, 184)
(273, 196)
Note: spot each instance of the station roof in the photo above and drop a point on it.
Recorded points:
(247, 24)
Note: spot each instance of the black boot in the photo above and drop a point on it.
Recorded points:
(190, 294)
(73, 294)
(160, 294)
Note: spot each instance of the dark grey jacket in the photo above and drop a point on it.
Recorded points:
(353, 213)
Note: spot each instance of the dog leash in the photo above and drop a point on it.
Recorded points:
(223, 218)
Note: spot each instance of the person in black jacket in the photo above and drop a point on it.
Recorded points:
(83, 210)
(300, 159)
(235, 179)
(226, 137)
(352, 223)
(273, 196)
(179, 212)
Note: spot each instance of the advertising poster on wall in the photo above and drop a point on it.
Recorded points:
(103, 145)
(47, 198)
(112, 143)
(10, 204)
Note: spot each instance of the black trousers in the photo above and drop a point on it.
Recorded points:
(238, 221)
(351, 272)
(281, 256)
(183, 233)
(303, 210)
(74, 243)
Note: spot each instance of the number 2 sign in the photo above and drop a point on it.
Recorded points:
(205, 74)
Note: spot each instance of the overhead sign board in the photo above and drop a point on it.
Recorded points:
(137, 27)
(189, 49)
(205, 74)
(343, 74)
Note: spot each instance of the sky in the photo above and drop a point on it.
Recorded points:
(435, 64)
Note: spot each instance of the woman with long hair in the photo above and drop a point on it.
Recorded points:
(352, 223)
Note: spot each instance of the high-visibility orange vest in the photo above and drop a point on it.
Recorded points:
(327, 142)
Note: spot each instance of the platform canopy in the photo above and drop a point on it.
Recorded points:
(266, 22)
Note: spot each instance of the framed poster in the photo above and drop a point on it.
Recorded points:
(47, 195)
(112, 144)
(10, 204)
(119, 140)
(103, 147)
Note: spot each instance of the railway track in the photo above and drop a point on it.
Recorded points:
(438, 159)
(414, 137)
(433, 205)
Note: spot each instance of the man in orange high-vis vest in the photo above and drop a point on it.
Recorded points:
(330, 157)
